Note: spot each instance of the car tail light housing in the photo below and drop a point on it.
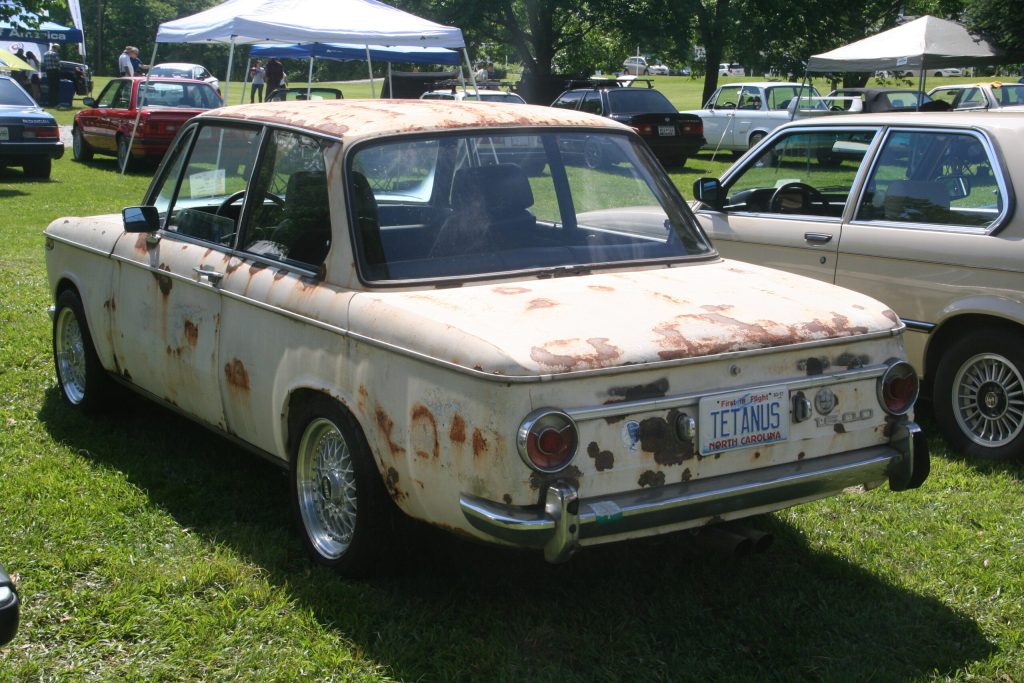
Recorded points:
(898, 388)
(40, 133)
(547, 440)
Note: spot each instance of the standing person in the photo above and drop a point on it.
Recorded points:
(257, 72)
(138, 68)
(481, 73)
(31, 60)
(124, 62)
(273, 74)
(22, 77)
(51, 65)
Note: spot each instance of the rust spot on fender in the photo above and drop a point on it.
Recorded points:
(839, 428)
(651, 478)
(236, 374)
(541, 303)
(570, 474)
(110, 304)
(479, 444)
(256, 267)
(163, 281)
(191, 333)
(511, 290)
(507, 499)
(423, 419)
(142, 245)
(687, 475)
(656, 389)
(658, 436)
(601, 288)
(391, 482)
(891, 315)
(603, 460)
(457, 432)
(363, 396)
(569, 354)
(386, 426)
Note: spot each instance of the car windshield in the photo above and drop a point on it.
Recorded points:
(179, 95)
(11, 94)
(638, 101)
(171, 71)
(462, 205)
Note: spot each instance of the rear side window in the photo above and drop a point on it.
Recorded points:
(943, 178)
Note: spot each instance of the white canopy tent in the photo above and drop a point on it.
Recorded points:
(363, 22)
(919, 45)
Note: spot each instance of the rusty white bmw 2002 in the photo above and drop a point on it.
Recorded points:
(375, 295)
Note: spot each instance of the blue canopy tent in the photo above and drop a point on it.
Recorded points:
(48, 32)
(346, 52)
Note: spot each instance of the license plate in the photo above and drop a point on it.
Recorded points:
(5, 133)
(666, 130)
(743, 419)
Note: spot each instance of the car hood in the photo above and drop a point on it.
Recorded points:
(608, 320)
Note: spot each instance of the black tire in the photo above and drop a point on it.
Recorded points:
(124, 158)
(83, 382)
(79, 147)
(978, 396)
(38, 167)
(755, 138)
(338, 500)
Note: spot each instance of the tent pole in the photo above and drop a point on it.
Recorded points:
(245, 80)
(920, 86)
(231, 58)
(369, 65)
(472, 76)
(391, 86)
(141, 100)
(309, 80)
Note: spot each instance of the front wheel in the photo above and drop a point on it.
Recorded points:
(338, 499)
(80, 148)
(979, 394)
(83, 381)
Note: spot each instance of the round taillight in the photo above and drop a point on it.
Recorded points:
(547, 440)
(897, 388)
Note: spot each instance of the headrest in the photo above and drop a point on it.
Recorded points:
(501, 188)
(307, 189)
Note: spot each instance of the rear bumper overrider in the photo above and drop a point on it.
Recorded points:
(563, 519)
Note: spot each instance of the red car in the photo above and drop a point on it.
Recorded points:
(167, 103)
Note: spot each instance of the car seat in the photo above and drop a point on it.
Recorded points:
(305, 230)
(916, 201)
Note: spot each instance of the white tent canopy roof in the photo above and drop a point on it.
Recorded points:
(309, 21)
(925, 43)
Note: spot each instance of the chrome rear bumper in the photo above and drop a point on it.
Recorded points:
(563, 519)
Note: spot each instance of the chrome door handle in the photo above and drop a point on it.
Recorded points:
(213, 276)
(818, 237)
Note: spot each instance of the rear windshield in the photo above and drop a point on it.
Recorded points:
(458, 205)
(11, 94)
(637, 101)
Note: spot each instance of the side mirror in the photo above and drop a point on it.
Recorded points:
(141, 219)
(9, 605)
(89, 102)
(709, 192)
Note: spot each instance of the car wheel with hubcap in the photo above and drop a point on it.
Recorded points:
(79, 147)
(593, 155)
(82, 380)
(338, 499)
(979, 394)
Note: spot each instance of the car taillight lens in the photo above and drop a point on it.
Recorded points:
(693, 128)
(897, 388)
(40, 132)
(645, 129)
(547, 440)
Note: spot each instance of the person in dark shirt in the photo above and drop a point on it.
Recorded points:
(274, 74)
(51, 67)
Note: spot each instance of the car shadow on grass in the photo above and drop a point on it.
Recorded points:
(447, 609)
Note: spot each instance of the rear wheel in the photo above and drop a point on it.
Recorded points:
(38, 167)
(593, 155)
(83, 381)
(979, 394)
(80, 148)
(338, 499)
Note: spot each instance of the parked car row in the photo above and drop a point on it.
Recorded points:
(29, 136)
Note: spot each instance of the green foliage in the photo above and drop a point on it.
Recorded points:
(1000, 22)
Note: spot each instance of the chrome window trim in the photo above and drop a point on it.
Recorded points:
(998, 171)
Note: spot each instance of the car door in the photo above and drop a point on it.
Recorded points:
(96, 123)
(280, 317)
(750, 113)
(719, 114)
(921, 238)
(785, 207)
(168, 306)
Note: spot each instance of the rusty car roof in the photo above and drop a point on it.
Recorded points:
(361, 118)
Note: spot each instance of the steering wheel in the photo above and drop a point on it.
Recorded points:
(808, 196)
(235, 196)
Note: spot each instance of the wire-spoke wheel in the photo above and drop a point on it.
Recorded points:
(83, 382)
(338, 497)
(124, 157)
(979, 395)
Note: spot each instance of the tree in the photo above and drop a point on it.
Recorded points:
(999, 22)
(23, 12)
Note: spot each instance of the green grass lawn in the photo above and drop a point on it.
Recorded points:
(146, 548)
